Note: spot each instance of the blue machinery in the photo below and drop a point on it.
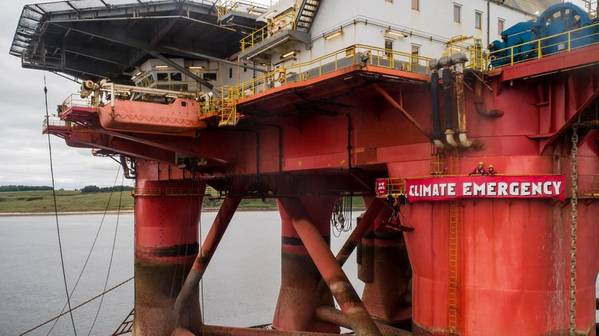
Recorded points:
(561, 27)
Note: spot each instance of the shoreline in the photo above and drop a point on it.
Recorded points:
(111, 212)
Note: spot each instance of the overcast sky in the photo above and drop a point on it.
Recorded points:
(23, 149)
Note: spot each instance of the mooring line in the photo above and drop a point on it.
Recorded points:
(64, 274)
(76, 307)
(91, 250)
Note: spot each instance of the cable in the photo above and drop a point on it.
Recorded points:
(76, 307)
(64, 274)
(116, 230)
(89, 254)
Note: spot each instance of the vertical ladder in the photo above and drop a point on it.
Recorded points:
(453, 274)
(306, 12)
(126, 326)
(453, 278)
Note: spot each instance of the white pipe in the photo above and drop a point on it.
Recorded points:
(464, 141)
(450, 139)
(438, 143)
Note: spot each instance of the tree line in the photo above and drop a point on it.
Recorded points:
(86, 189)
(7, 188)
(96, 189)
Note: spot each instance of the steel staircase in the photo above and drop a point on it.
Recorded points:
(126, 327)
(306, 12)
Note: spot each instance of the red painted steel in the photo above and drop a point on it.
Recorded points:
(299, 295)
(303, 221)
(179, 116)
(387, 291)
(167, 214)
(513, 256)
(512, 261)
(560, 62)
(187, 301)
(330, 314)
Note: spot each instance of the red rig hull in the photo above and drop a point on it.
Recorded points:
(477, 267)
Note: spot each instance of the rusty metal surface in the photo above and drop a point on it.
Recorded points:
(166, 238)
(299, 295)
(330, 314)
(156, 287)
(365, 224)
(187, 299)
(388, 297)
(328, 266)
(210, 330)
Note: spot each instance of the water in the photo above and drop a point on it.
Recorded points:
(240, 286)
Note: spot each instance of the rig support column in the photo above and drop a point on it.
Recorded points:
(340, 286)
(298, 296)
(167, 213)
(387, 293)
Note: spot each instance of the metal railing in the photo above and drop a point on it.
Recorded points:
(351, 56)
(54, 121)
(472, 48)
(224, 7)
(76, 100)
(356, 55)
(390, 187)
(263, 33)
(546, 46)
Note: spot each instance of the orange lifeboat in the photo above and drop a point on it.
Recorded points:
(179, 116)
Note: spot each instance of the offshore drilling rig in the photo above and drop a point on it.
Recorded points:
(479, 168)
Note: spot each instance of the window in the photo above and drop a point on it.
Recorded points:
(478, 20)
(416, 5)
(209, 76)
(457, 13)
(230, 72)
(500, 26)
(176, 76)
(389, 48)
(415, 52)
(162, 76)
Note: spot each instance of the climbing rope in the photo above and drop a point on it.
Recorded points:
(91, 250)
(64, 274)
(573, 227)
(116, 230)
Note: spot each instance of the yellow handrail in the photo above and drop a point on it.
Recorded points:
(537, 49)
(262, 34)
(225, 104)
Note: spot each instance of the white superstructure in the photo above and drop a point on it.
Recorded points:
(412, 26)
(300, 31)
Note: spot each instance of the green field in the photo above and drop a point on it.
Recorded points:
(75, 201)
(68, 201)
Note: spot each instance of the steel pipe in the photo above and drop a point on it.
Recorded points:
(332, 315)
(365, 224)
(300, 294)
(216, 233)
(331, 271)
(210, 330)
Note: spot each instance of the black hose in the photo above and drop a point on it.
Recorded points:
(437, 134)
(448, 79)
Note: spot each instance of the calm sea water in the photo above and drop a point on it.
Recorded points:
(240, 287)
